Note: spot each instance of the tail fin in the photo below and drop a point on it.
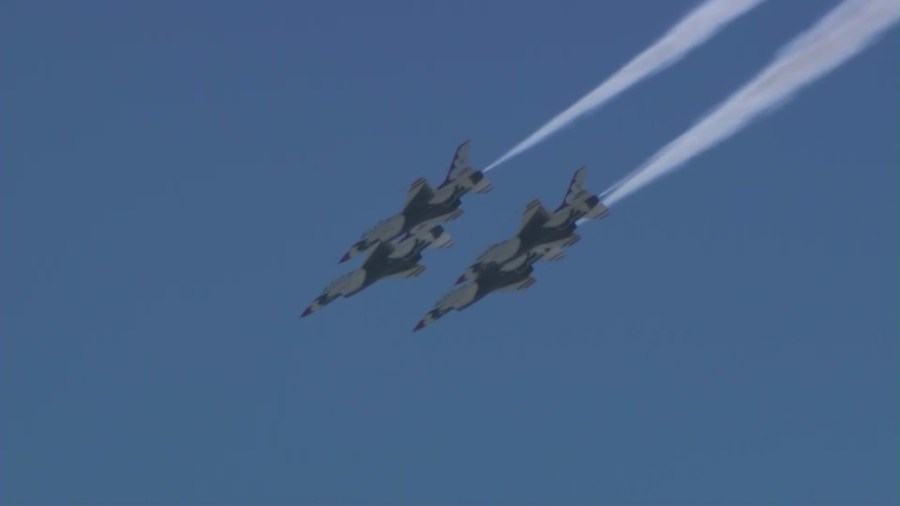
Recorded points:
(460, 162)
(577, 197)
(576, 189)
(461, 175)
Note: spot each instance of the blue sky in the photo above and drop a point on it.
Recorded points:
(179, 180)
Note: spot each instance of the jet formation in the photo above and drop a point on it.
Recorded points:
(394, 246)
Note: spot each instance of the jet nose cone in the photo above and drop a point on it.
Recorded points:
(419, 325)
(461, 279)
(345, 257)
(308, 311)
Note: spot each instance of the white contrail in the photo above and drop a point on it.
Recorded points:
(841, 34)
(693, 30)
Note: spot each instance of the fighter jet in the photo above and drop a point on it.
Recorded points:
(385, 261)
(491, 280)
(426, 206)
(542, 234)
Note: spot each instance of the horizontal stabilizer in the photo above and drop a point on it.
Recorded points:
(480, 184)
(597, 209)
(483, 186)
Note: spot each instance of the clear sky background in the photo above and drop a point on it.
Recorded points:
(179, 180)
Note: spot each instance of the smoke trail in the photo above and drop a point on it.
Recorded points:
(693, 30)
(841, 34)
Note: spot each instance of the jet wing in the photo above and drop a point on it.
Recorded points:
(525, 284)
(515, 281)
(554, 251)
(553, 254)
(534, 214)
(419, 191)
(412, 272)
(413, 244)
